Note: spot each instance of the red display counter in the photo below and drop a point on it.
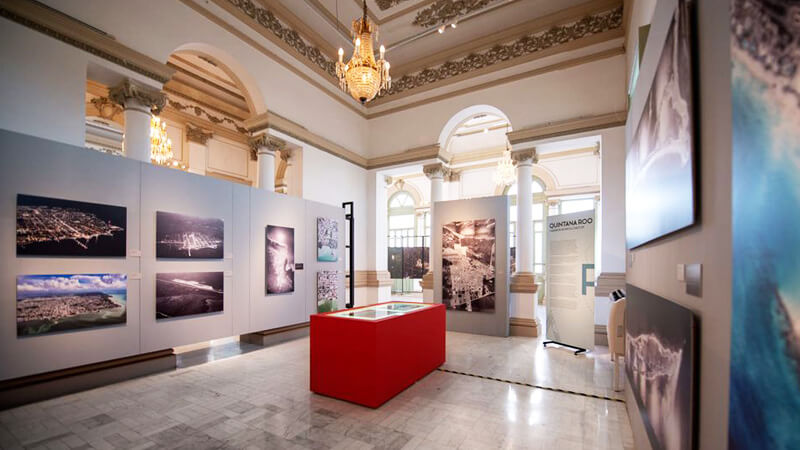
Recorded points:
(370, 354)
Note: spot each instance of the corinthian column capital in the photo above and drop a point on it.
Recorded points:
(522, 156)
(144, 95)
(263, 143)
(437, 170)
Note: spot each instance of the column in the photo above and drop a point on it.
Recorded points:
(523, 281)
(198, 148)
(436, 173)
(139, 102)
(264, 147)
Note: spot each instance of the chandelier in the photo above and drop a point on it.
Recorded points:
(505, 173)
(362, 76)
(160, 144)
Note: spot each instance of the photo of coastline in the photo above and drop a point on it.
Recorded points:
(765, 102)
(182, 236)
(188, 293)
(56, 227)
(468, 265)
(660, 160)
(327, 291)
(279, 260)
(659, 362)
(51, 303)
(327, 239)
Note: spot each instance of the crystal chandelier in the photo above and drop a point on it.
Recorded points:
(160, 144)
(362, 76)
(505, 173)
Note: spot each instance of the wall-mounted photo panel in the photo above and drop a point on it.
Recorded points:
(327, 290)
(51, 303)
(188, 293)
(57, 227)
(415, 262)
(660, 160)
(659, 361)
(468, 265)
(279, 259)
(327, 239)
(184, 236)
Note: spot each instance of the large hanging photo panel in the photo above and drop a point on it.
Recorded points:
(468, 265)
(659, 187)
(188, 293)
(765, 350)
(189, 237)
(279, 260)
(57, 227)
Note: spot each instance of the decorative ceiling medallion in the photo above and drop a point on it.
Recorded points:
(444, 11)
(386, 4)
(291, 37)
(589, 25)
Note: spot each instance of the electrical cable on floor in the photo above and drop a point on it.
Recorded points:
(536, 386)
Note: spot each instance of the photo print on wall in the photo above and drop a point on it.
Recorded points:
(188, 293)
(765, 354)
(327, 239)
(52, 303)
(279, 260)
(56, 227)
(468, 265)
(659, 362)
(188, 237)
(660, 160)
(327, 290)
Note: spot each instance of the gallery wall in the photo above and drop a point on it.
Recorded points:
(492, 323)
(35, 166)
(653, 266)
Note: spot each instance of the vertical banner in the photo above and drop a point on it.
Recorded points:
(765, 349)
(570, 279)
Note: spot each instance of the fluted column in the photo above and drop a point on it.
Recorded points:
(264, 147)
(139, 102)
(436, 173)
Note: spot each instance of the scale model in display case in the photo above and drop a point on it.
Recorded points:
(370, 354)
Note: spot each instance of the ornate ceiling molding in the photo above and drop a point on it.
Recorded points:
(191, 107)
(267, 19)
(587, 26)
(147, 96)
(444, 11)
(197, 134)
(386, 4)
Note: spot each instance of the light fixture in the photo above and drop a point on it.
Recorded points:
(160, 144)
(453, 25)
(441, 29)
(505, 173)
(362, 76)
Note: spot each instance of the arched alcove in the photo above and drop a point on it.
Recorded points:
(459, 119)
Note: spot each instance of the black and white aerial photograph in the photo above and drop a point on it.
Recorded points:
(188, 237)
(188, 293)
(659, 362)
(468, 265)
(280, 260)
(56, 227)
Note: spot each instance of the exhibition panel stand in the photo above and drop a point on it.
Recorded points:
(370, 354)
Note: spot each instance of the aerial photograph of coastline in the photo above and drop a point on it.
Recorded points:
(185, 294)
(327, 239)
(279, 259)
(468, 265)
(57, 227)
(50, 303)
(182, 236)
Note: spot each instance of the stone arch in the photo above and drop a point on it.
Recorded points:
(464, 115)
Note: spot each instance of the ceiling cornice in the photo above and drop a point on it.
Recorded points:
(78, 34)
(567, 127)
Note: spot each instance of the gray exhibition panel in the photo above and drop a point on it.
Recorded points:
(492, 324)
(35, 166)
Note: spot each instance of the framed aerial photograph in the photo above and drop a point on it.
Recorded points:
(57, 227)
(279, 260)
(468, 265)
(188, 293)
(327, 290)
(327, 240)
(189, 237)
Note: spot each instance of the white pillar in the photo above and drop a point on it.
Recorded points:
(436, 173)
(524, 211)
(139, 102)
(264, 147)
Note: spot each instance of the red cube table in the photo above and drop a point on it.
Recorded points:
(368, 355)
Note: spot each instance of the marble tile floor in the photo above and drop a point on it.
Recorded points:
(260, 400)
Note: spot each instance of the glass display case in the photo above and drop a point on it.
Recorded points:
(381, 311)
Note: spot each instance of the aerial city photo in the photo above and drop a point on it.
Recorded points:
(184, 294)
(188, 237)
(279, 259)
(50, 303)
(468, 259)
(57, 227)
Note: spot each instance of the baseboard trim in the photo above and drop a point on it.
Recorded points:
(34, 388)
(600, 335)
(275, 336)
(518, 326)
